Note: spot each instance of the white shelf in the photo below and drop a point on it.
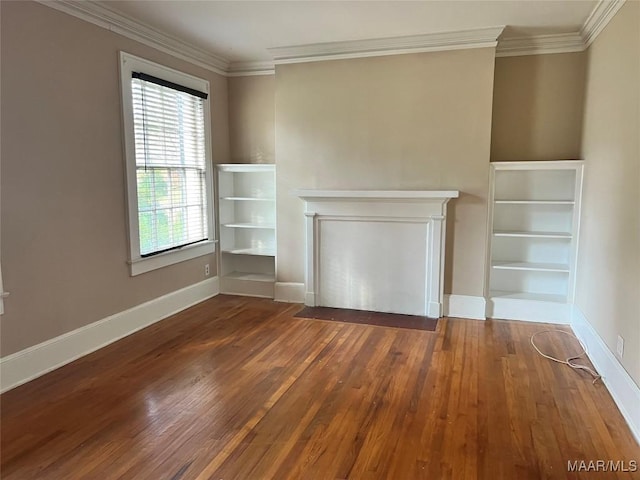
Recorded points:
(249, 199)
(247, 216)
(254, 277)
(539, 297)
(517, 233)
(260, 251)
(534, 212)
(250, 225)
(532, 267)
(529, 165)
(245, 167)
(535, 202)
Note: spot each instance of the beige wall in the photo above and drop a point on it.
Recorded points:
(64, 237)
(252, 119)
(419, 121)
(396, 122)
(537, 107)
(608, 283)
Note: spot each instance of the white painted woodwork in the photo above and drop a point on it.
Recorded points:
(534, 224)
(241, 50)
(376, 250)
(33, 362)
(137, 263)
(246, 204)
(431, 42)
(625, 392)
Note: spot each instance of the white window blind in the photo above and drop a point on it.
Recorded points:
(169, 131)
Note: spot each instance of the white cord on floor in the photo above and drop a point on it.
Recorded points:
(569, 361)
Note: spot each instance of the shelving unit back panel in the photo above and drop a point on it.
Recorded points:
(533, 218)
(227, 238)
(261, 213)
(247, 263)
(531, 250)
(247, 220)
(555, 283)
(246, 238)
(253, 184)
(557, 185)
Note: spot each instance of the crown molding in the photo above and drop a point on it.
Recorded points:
(245, 69)
(105, 17)
(599, 18)
(98, 13)
(431, 42)
(540, 44)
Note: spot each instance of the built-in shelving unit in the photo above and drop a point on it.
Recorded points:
(534, 217)
(246, 194)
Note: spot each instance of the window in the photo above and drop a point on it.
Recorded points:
(168, 164)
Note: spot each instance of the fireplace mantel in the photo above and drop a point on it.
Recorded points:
(377, 250)
(403, 195)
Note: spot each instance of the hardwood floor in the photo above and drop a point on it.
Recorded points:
(237, 388)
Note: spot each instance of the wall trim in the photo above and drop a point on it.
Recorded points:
(540, 44)
(599, 18)
(579, 41)
(621, 386)
(460, 306)
(289, 292)
(465, 306)
(249, 69)
(430, 42)
(35, 361)
(336, 220)
(103, 16)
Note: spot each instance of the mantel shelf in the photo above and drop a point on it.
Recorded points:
(406, 195)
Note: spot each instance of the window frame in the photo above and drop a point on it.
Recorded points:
(138, 264)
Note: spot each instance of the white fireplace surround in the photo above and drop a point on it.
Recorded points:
(379, 250)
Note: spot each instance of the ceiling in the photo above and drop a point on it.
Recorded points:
(243, 31)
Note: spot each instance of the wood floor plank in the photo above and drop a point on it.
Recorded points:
(238, 388)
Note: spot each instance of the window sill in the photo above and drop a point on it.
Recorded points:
(144, 265)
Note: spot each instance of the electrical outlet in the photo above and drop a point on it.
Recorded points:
(620, 346)
(206, 270)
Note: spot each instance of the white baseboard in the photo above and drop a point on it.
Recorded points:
(37, 360)
(461, 306)
(464, 306)
(289, 292)
(310, 299)
(435, 309)
(623, 389)
(529, 310)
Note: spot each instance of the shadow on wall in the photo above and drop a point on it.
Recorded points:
(452, 219)
(449, 241)
(538, 105)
